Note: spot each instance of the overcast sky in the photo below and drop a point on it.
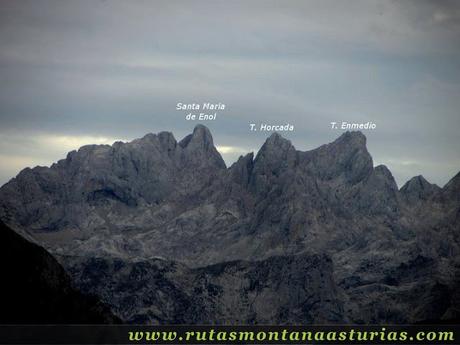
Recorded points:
(80, 72)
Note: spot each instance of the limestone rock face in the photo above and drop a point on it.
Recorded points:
(280, 290)
(389, 255)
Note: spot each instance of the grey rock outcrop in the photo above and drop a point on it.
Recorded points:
(281, 290)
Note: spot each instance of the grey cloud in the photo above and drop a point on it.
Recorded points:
(117, 69)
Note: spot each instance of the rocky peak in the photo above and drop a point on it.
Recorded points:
(386, 178)
(276, 160)
(275, 150)
(162, 141)
(345, 157)
(241, 170)
(452, 188)
(350, 145)
(378, 194)
(418, 188)
(199, 148)
(453, 184)
(275, 143)
(167, 141)
(354, 139)
(201, 137)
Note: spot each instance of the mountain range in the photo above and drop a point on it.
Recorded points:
(163, 232)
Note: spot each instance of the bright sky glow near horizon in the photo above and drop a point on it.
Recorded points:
(93, 72)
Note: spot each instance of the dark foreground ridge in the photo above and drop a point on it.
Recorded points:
(164, 232)
(36, 290)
